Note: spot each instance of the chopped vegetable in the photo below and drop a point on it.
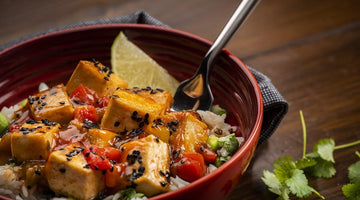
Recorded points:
(190, 167)
(130, 193)
(217, 110)
(225, 146)
(208, 154)
(3, 123)
(101, 158)
(82, 95)
(230, 143)
(213, 142)
(86, 112)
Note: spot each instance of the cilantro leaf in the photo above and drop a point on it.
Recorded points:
(283, 168)
(325, 148)
(352, 191)
(272, 182)
(298, 184)
(322, 169)
(354, 172)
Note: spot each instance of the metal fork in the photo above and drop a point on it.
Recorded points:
(195, 93)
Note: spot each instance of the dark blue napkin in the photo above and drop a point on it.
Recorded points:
(275, 106)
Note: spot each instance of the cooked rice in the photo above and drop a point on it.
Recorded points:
(216, 123)
(9, 185)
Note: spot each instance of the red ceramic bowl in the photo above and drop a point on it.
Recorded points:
(52, 57)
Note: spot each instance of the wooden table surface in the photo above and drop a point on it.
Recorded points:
(310, 49)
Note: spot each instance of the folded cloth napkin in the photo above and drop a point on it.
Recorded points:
(275, 106)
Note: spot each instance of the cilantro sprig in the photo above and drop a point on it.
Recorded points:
(352, 189)
(289, 176)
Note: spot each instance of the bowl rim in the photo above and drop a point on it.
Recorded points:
(249, 143)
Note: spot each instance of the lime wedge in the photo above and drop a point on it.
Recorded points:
(3, 123)
(138, 69)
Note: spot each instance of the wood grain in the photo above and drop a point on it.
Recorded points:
(309, 49)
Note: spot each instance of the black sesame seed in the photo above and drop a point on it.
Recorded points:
(202, 148)
(37, 172)
(87, 166)
(106, 78)
(62, 102)
(135, 113)
(43, 104)
(68, 159)
(157, 139)
(43, 97)
(141, 169)
(116, 124)
(139, 119)
(163, 184)
(96, 167)
(162, 173)
(62, 170)
(182, 162)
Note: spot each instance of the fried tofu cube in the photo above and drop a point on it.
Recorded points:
(67, 174)
(158, 129)
(52, 104)
(34, 140)
(127, 111)
(160, 96)
(101, 138)
(150, 159)
(96, 77)
(188, 132)
(5, 148)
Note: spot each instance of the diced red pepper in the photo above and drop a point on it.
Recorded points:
(86, 112)
(103, 102)
(14, 127)
(83, 95)
(208, 154)
(100, 158)
(190, 167)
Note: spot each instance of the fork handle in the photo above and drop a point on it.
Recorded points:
(236, 20)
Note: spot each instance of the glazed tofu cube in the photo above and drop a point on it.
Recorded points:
(127, 111)
(52, 104)
(101, 138)
(96, 77)
(160, 96)
(5, 148)
(34, 140)
(159, 129)
(150, 159)
(67, 174)
(188, 132)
